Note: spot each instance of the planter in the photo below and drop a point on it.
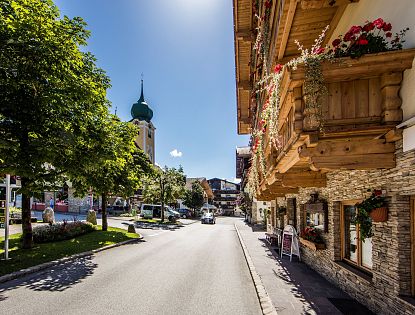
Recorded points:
(379, 214)
(311, 245)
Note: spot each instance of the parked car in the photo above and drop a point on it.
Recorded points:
(185, 213)
(208, 218)
(154, 211)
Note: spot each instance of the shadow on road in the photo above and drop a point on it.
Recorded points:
(56, 279)
(156, 226)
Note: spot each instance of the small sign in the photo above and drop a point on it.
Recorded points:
(2, 214)
(289, 244)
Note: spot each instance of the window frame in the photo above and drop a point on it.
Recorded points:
(359, 264)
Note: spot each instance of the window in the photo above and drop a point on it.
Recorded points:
(149, 133)
(354, 250)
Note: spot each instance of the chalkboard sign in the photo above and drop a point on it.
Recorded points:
(289, 244)
(2, 214)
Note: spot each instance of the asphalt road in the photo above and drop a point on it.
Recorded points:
(197, 269)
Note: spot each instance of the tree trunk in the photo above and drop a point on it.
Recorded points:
(27, 238)
(104, 212)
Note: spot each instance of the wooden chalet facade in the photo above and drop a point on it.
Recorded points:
(364, 145)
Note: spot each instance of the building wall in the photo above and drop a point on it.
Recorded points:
(391, 253)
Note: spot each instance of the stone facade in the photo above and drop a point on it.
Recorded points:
(391, 252)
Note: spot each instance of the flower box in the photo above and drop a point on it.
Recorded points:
(379, 214)
(311, 245)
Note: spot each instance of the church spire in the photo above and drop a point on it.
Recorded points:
(142, 90)
(141, 110)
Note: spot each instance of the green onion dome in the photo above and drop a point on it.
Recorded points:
(141, 110)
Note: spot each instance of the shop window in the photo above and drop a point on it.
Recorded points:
(354, 250)
(315, 213)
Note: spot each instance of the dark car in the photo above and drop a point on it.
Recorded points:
(184, 213)
(208, 218)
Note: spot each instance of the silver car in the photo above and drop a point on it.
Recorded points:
(208, 218)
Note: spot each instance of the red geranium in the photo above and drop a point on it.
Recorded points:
(318, 51)
(368, 27)
(336, 42)
(388, 34)
(278, 68)
(386, 27)
(378, 23)
(355, 29)
(363, 41)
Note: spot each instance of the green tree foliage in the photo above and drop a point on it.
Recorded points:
(165, 186)
(116, 166)
(193, 198)
(245, 203)
(52, 95)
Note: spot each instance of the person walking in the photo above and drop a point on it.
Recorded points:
(51, 203)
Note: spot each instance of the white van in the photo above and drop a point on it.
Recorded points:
(149, 211)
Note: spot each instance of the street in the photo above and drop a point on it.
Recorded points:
(196, 269)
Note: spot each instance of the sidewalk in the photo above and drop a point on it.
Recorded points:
(294, 288)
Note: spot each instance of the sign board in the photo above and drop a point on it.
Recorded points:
(2, 214)
(289, 244)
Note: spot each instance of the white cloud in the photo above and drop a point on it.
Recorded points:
(176, 153)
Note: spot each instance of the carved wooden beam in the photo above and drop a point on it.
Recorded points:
(318, 4)
(244, 35)
(245, 85)
(304, 178)
(354, 162)
(287, 27)
(347, 148)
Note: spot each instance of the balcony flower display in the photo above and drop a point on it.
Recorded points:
(312, 234)
(311, 237)
(372, 37)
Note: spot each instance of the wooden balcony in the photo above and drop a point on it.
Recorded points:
(360, 113)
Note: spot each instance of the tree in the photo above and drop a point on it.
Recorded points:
(245, 203)
(116, 166)
(165, 186)
(193, 198)
(52, 95)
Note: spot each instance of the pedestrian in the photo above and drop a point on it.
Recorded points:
(51, 202)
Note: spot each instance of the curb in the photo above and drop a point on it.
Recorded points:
(24, 272)
(267, 306)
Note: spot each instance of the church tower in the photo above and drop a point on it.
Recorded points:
(142, 115)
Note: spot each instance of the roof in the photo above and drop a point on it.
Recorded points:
(203, 182)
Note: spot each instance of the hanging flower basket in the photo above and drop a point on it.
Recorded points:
(379, 214)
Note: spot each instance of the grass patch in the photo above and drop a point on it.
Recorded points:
(158, 221)
(41, 253)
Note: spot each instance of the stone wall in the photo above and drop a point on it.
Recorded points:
(391, 252)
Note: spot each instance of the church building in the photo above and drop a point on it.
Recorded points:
(142, 115)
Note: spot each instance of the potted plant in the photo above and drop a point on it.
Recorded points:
(372, 209)
(311, 238)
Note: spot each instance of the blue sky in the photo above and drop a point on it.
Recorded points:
(185, 50)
